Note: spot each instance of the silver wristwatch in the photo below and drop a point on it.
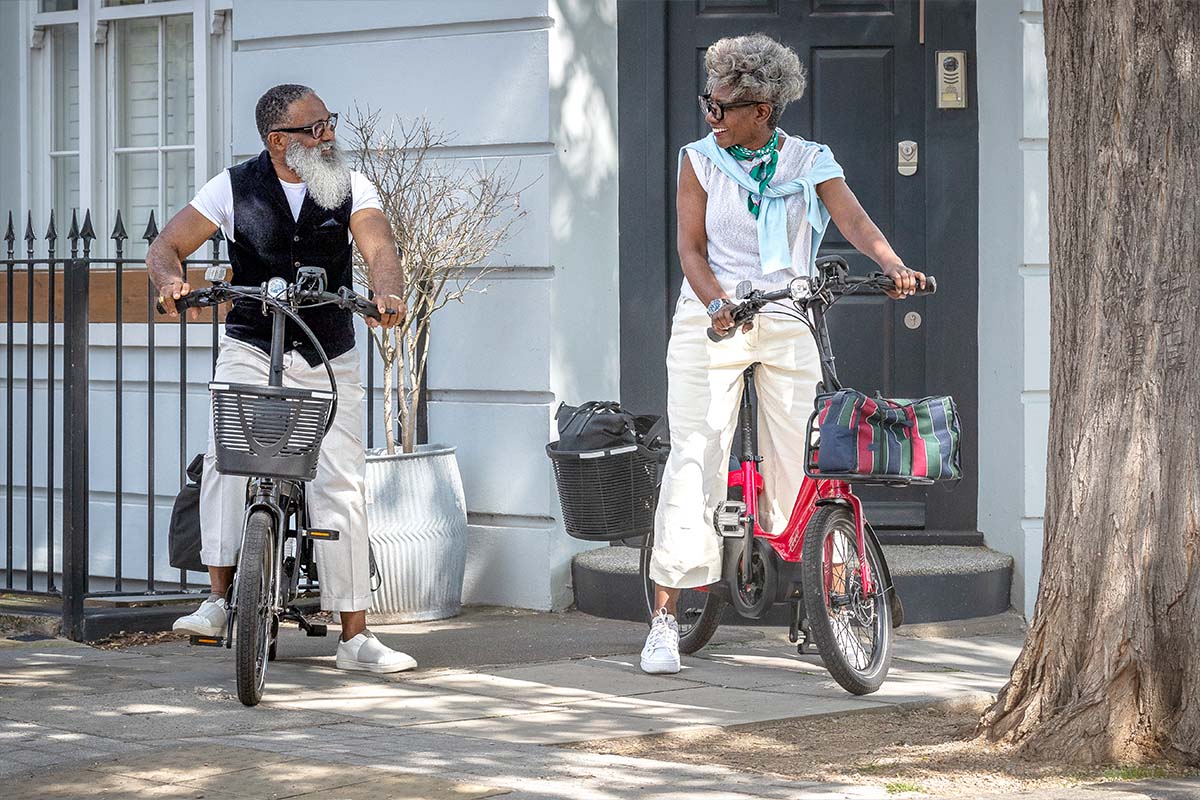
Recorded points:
(716, 305)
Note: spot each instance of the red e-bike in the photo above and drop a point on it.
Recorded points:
(826, 562)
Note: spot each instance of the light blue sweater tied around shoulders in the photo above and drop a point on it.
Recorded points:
(774, 249)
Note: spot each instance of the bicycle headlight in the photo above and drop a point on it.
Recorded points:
(800, 289)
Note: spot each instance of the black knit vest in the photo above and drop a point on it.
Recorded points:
(268, 243)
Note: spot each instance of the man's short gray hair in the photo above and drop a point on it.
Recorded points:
(756, 67)
(272, 108)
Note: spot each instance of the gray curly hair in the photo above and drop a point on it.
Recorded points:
(756, 67)
(272, 107)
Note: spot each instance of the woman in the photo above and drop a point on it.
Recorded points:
(753, 204)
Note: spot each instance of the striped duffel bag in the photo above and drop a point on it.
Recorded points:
(864, 435)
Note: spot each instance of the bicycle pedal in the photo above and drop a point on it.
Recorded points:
(207, 641)
(323, 534)
(730, 518)
(317, 629)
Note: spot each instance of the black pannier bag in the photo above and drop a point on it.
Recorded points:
(607, 464)
(183, 536)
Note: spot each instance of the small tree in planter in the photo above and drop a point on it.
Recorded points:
(448, 221)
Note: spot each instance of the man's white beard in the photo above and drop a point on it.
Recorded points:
(327, 176)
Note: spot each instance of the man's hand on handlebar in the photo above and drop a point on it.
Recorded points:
(723, 322)
(167, 295)
(392, 312)
(907, 281)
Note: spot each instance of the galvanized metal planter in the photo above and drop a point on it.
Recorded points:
(417, 518)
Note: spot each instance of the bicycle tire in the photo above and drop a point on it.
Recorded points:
(867, 678)
(692, 635)
(256, 578)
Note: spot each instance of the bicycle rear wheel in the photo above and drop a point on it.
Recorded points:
(255, 618)
(851, 629)
(697, 613)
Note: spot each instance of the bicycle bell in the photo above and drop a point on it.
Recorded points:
(277, 288)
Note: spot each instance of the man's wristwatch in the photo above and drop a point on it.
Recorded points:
(716, 305)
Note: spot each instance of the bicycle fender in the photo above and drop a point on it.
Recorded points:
(894, 596)
(869, 532)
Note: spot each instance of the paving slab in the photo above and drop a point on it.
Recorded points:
(992, 655)
(555, 683)
(154, 714)
(562, 726)
(718, 706)
(400, 705)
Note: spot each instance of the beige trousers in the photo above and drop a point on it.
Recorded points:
(704, 388)
(336, 498)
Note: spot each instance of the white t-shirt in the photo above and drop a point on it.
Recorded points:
(733, 231)
(215, 198)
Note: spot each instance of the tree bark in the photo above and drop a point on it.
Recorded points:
(1110, 671)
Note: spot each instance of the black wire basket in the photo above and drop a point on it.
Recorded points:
(267, 431)
(607, 494)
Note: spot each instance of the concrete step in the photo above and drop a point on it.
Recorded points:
(935, 583)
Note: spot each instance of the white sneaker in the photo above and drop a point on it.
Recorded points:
(366, 653)
(660, 656)
(207, 620)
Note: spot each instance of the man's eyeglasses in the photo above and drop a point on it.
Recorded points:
(316, 130)
(710, 106)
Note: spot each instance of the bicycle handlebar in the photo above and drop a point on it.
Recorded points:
(818, 291)
(221, 293)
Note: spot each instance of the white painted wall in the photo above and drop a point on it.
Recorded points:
(1014, 312)
(10, 123)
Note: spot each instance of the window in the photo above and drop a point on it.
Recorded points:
(138, 127)
(64, 122)
(153, 158)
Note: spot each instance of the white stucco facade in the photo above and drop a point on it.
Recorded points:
(1014, 286)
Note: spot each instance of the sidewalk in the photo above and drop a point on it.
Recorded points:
(496, 693)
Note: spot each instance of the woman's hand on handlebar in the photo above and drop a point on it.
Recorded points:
(167, 295)
(907, 281)
(392, 312)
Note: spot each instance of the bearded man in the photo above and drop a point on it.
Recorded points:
(296, 204)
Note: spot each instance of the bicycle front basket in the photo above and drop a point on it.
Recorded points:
(268, 431)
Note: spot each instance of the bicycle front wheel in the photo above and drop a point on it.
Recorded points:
(255, 618)
(697, 613)
(852, 629)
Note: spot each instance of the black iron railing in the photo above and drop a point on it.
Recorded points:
(61, 463)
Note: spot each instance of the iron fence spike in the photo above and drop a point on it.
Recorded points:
(29, 237)
(151, 229)
(51, 232)
(87, 233)
(118, 233)
(9, 235)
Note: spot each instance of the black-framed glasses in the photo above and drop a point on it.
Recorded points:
(710, 106)
(316, 130)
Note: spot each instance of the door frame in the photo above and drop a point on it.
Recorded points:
(951, 165)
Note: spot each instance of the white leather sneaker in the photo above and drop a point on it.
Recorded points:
(207, 620)
(367, 654)
(660, 656)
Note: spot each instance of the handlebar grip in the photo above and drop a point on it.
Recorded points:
(190, 300)
(713, 336)
(930, 285)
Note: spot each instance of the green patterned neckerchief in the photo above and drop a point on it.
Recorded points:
(763, 171)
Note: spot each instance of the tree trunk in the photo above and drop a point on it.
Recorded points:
(1110, 671)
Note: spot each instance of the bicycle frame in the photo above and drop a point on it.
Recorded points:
(813, 493)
